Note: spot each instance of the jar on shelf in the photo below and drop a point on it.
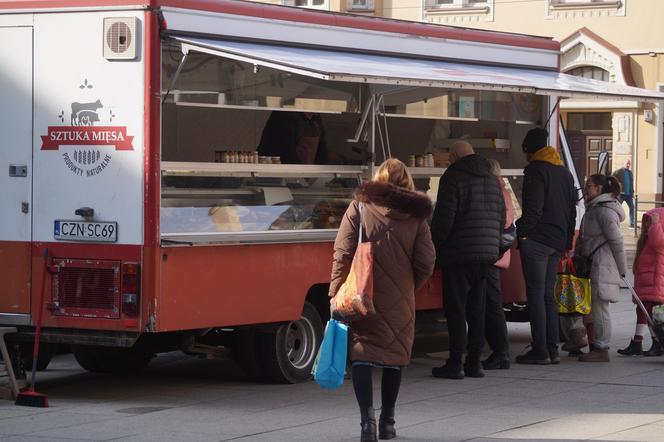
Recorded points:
(411, 161)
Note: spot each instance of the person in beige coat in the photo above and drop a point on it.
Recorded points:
(600, 233)
(394, 218)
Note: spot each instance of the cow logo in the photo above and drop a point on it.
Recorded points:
(87, 145)
(85, 114)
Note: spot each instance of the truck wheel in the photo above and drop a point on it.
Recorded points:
(111, 359)
(244, 350)
(85, 357)
(46, 353)
(288, 355)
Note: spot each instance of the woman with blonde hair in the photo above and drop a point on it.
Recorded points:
(394, 218)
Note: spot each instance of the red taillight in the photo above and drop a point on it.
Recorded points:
(131, 289)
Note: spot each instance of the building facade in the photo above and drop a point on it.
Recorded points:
(612, 40)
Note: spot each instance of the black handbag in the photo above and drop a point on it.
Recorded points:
(584, 264)
(507, 238)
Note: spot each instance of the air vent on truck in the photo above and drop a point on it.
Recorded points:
(86, 288)
(120, 38)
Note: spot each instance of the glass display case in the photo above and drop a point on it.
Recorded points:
(237, 203)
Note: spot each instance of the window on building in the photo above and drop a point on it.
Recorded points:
(570, 8)
(558, 2)
(432, 4)
(590, 72)
(589, 121)
(584, 3)
(315, 4)
(360, 5)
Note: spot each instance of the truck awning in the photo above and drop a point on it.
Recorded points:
(348, 66)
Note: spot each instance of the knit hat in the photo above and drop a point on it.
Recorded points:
(535, 140)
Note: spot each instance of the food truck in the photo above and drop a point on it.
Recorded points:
(138, 205)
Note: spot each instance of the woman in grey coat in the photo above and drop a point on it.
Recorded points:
(600, 233)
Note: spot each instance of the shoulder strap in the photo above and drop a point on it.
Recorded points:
(359, 236)
(597, 248)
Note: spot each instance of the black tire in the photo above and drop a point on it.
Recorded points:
(289, 354)
(111, 359)
(46, 353)
(244, 351)
(85, 357)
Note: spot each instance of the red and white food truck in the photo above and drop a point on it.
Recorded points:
(133, 197)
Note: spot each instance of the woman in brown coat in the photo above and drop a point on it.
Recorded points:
(394, 218)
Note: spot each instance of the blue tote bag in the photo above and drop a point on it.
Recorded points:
(330, 365)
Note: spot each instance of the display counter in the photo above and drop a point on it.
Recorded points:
(222, 203)
(208, 203)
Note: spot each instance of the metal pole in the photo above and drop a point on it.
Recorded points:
(185, 54)
(636, 216)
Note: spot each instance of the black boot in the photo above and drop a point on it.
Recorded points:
(368, 425)
(386, 428)
(496, 361)
(635, 348)
(451, 370)
(473, 368)
(655, 349)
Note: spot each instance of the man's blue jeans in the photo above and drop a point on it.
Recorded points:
(629, 199)
(540, 264)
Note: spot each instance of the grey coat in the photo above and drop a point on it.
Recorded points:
(602, 223)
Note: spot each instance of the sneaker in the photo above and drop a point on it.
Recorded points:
(554, 356)
(447, 371)
(534, 357)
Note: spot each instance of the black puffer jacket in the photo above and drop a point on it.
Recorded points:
(469, 215)
(549, 202)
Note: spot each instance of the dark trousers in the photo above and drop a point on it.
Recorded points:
(540, 264)
(629, 199)
(464, 288)
(363, 386)
(496, 326)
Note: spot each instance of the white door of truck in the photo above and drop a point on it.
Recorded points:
(15, 168)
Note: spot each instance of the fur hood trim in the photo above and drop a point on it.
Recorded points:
(393, 197)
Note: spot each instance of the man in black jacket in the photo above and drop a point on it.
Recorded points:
(626, 180)
(545, 231)
(466, 227)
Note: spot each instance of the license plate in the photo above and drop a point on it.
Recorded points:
(64, 230)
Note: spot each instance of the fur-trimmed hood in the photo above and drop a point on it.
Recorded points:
(394, 197)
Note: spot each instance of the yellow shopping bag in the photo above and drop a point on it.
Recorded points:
(572, 293)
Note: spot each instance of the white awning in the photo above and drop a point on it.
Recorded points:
(378, 69)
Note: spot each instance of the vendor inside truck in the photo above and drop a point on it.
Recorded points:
(295, 137)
